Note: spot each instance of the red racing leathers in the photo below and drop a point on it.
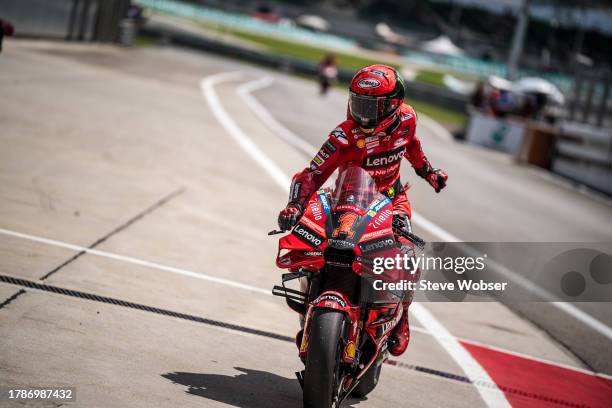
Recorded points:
(379, 152)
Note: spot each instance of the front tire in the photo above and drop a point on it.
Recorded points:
(323, 359)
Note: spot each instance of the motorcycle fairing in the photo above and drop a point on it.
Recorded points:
(307, 237)
(348, 223)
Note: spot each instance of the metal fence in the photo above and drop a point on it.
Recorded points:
(591, 100)
(79, 20)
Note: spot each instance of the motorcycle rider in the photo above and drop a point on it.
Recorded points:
(378, 132)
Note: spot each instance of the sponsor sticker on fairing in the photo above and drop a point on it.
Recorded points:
(381, 217)
(380, 204)
(376, 234)
(324, 203)
(339, 134)
(340, 243)
(312, 225)
(307, 235)
(377, 245)
(331, 298)
(315, 209)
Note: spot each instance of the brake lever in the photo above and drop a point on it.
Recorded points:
(275, 232)
(399, 226)
(418, 241)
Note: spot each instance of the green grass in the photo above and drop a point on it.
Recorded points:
(347, 61)
(446, 117)
(143, 41)
(306, 52)
(352, 62)
(430, 77)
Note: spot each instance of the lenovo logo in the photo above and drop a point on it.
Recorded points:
(376, 245)
(384, 159)
(307, 235)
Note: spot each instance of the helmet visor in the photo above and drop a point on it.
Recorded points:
(368, 111)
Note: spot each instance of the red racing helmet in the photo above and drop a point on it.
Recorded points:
(376, 92)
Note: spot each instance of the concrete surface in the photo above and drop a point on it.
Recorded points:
(117, 148)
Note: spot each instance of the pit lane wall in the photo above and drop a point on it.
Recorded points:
(584, 153)
(79, 20)
(577, 151)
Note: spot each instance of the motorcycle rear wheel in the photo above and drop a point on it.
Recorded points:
(321, 375)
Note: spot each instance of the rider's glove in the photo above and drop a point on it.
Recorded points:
(289, 216)
(437, 179)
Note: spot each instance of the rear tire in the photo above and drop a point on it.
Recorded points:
(369, 381)
(323, 358)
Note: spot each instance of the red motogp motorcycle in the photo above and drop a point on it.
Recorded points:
(346, 313)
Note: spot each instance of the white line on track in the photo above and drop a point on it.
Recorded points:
(441, 334)
(434, 229)
(493, 397)
(244, 91)
(234, 131)
(136, 261)
(262, 291)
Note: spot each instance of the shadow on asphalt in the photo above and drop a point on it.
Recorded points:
(249, 389)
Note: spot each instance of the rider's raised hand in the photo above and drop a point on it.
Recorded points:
(437, 179)
(289, 216)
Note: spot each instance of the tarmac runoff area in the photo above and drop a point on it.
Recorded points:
(136, 190)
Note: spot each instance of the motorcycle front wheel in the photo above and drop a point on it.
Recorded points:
(322, 374)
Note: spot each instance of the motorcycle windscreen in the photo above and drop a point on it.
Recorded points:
(354, 192)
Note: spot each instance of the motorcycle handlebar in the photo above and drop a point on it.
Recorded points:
(400, 228)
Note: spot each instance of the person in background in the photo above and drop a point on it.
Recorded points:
(327, 72)
(502, 103)
(477, 99)
(6, 28)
